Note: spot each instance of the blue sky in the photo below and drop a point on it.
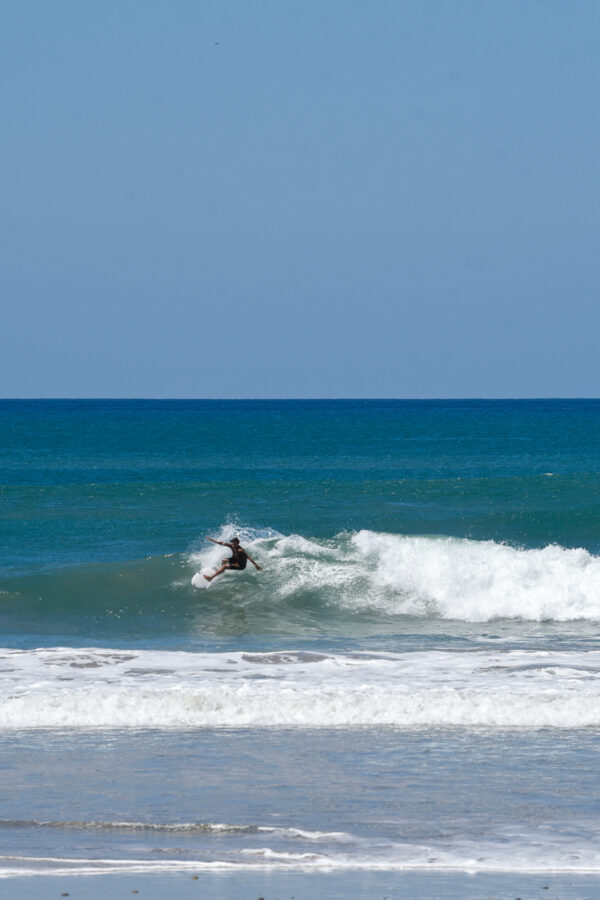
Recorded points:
(299, 199)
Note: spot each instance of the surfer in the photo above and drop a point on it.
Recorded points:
(237, 561)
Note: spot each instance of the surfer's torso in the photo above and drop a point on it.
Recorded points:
(238, 558)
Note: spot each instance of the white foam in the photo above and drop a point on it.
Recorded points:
(482, 580)
(511, 850)
(448, 578)
(88, 688)
(19, 866)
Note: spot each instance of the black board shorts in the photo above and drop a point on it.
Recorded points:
(238, 566)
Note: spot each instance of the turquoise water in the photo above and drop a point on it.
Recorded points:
(87, 481)
(429, 603)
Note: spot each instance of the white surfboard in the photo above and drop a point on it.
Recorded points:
(199, 581)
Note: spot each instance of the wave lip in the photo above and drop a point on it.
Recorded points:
(89, 688)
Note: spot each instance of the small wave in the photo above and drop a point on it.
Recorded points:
(191, 828)
(511, 850)
(205, 829)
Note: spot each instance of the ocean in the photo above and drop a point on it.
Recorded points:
(412, 683)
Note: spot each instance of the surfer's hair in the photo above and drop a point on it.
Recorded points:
(235, 540)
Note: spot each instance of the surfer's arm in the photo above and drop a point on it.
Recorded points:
(254, 563)
(222, 543)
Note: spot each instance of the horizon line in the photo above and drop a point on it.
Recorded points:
(284, 399)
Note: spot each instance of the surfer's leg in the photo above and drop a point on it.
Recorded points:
(218, 572)
(227, 564)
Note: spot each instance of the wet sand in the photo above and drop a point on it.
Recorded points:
(308, 886)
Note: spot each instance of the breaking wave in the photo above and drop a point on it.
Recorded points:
(448, 578)
(308, 585)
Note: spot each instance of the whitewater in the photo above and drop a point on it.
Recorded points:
(93, 688)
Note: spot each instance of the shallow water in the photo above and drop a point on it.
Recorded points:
(326, 799)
